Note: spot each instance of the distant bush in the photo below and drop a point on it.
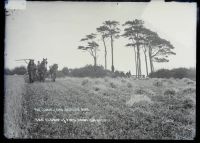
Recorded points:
(8, 71)
(65, 71)
(17, 70)
(119, 74)
(175, 73)
(89, 71)
(60, 74)
(98, 71)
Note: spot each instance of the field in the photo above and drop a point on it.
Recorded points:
(100, 108)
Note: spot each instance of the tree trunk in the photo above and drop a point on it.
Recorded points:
(95, 61)
(150, 59)
(140, 73)
(139, 61)
(137, 64)
(105, 53)
(135, 61)
(112, 68)
(95, 57)
(146, 63)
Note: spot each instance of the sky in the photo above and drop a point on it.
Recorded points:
(53, 30)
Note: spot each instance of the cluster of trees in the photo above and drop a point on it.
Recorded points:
(175, 73)
(141, 39)
(99, 71)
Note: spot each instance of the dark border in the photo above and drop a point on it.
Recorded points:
(2, 35)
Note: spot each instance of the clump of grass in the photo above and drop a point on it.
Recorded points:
(189, 90)
(106, 79)
(85, 81)
(188, 103)
(147, 92)
(96, 88)
(129, 85)
(188, 81)
(169, 92)
(170, 81)
(157, 83)
(113, 85)
(137, 98)
(123, 80)
(140, 91)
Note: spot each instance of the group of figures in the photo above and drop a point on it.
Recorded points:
(39, 72)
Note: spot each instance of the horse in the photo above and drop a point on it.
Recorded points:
(42, 70)
(52, 71)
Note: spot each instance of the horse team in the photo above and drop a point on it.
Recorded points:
(39, 72)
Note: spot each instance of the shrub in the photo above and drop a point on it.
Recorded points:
(89, 71)
(119, 74)
(93, 71)
(162, 73)
(19, 70)
(175, 73)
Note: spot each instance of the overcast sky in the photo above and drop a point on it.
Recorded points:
(53, 30)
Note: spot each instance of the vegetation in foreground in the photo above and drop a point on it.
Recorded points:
(133, 109)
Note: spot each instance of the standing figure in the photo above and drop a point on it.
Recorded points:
(31, 70)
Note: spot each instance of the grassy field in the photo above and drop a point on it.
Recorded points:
(107, 108)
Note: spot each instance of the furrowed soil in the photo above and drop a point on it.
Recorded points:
(102, 108)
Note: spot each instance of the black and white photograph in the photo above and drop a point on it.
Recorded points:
(100, 70)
